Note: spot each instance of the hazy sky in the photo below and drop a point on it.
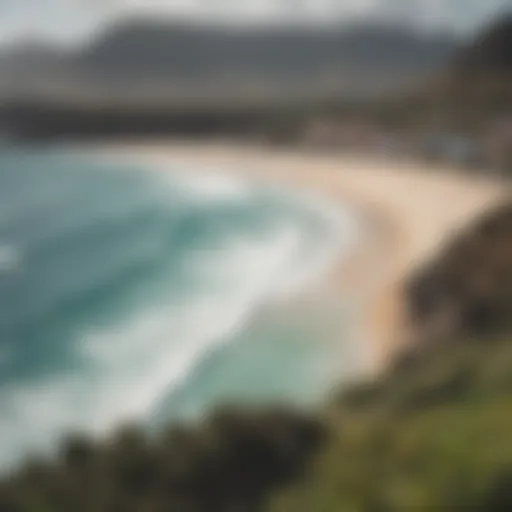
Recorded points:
(71, 20)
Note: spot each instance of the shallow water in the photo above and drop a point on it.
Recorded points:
(134, 295)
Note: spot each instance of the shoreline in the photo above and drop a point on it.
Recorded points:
(407, 210)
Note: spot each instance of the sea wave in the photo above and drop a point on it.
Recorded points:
(114, 313)
(10, 258)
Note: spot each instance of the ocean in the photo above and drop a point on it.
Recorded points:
(129, 295)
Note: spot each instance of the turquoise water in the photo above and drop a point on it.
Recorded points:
(134, 295)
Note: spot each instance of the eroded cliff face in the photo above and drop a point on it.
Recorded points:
(468, 288)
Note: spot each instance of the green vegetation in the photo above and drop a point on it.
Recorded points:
(434, 433)
(228, 464)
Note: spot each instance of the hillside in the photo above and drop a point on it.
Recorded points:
(491, 52)
(20, 65)
(434, 432)
(483, 71)
(477, 85)
(166, 61)
(177, 51)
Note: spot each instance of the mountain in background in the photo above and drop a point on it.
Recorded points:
(157, 61)
(478, 83)
(491, 53)
(161, 50)
(28, 62)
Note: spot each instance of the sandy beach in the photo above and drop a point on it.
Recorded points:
(409, 209)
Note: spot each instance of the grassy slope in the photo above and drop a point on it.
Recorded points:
(438, 436)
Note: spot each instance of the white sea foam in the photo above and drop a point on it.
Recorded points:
(160, 348)
(130, 367)
(10, 258)
(209, 186)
